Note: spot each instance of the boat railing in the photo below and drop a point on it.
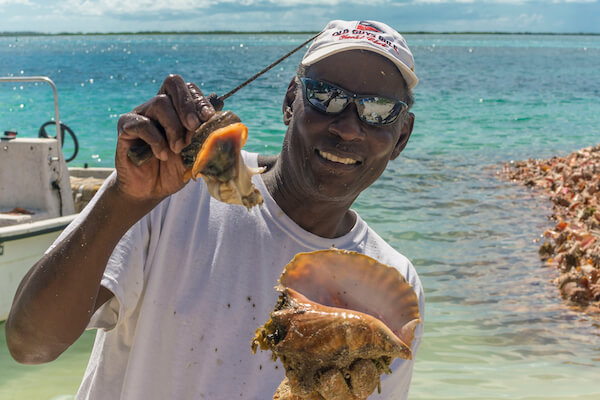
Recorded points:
(48, 191)
(48, 81)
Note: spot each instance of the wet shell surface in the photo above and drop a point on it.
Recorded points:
(342, 317)
(214, 155)
(219, 162)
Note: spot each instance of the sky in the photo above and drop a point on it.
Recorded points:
(86, 16)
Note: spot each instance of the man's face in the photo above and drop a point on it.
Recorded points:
(338, 156)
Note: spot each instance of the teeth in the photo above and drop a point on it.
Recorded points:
(334, 158)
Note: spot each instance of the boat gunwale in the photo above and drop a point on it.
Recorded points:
(29, 229)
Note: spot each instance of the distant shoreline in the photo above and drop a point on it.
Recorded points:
(27, 33)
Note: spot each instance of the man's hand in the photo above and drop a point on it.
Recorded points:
(166, 122)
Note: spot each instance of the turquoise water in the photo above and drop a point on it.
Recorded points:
(495, 326)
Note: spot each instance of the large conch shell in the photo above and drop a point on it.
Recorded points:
(341, 319)
(214, 155)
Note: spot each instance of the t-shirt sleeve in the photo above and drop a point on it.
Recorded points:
(397, 385)
(124, 277)
(124, 273)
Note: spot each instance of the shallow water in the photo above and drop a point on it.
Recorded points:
(58, 380)
(495, 326)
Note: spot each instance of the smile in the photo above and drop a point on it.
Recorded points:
(334, 158)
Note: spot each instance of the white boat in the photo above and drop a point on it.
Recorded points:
(36, 199)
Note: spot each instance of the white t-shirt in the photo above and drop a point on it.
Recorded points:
(192, 281)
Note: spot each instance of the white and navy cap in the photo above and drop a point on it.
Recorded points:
(373, 36)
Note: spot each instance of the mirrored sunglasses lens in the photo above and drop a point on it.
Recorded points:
(379, 111)
(336, 104)
(333, 100)
(325, 97)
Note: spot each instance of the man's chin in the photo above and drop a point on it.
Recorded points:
(333, 188)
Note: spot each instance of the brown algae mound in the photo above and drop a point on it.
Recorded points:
(572, 183)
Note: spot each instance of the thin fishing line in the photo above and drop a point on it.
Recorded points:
(228, 94)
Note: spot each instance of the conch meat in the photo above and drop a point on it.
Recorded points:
(214, 155)
(341, 318)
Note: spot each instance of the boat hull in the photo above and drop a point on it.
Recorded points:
(21, 246)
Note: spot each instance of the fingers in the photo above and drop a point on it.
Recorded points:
(169, 119)
(203, 106)
(190, 104)
(160, 109)
(132, 127)
(203, 103)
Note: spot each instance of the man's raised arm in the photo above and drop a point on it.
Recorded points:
(60, 293)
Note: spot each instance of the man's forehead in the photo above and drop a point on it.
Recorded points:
(358, 66)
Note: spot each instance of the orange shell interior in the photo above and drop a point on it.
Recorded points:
(237, 133)
(349, 280)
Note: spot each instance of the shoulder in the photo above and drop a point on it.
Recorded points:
(377, 248)
(255, 160)
(267, 161)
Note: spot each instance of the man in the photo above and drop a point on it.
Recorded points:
(176, 282)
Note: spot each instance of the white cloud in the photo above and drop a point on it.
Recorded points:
(101, 7)
(435, 1)
(139, 8)
(512, 2)
(314, 3)
(512, 23)
(11, 4)
(242, 15)
(120, 7)
(15, 2)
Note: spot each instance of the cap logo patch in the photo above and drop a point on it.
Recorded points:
(367, 26)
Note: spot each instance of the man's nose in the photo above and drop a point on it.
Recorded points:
(347, 125)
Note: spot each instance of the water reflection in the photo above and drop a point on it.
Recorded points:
(495, 326)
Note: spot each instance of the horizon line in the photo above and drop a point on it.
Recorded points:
(229, 32)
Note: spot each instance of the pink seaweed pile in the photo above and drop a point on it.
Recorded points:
(573, 246)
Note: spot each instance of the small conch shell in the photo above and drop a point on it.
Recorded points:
(220, 164)
(341, 315)
(214, 154)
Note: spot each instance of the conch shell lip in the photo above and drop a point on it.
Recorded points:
(354, 281)
(220, 164)
(233, 137)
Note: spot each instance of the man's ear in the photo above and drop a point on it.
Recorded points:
(288, 101)
(407, 127)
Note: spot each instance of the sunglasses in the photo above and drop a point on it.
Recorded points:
(330, 99)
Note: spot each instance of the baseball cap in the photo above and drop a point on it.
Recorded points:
(373, 36)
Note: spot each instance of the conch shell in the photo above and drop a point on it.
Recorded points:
(214, 154)
(220, 164)
(341, 318)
